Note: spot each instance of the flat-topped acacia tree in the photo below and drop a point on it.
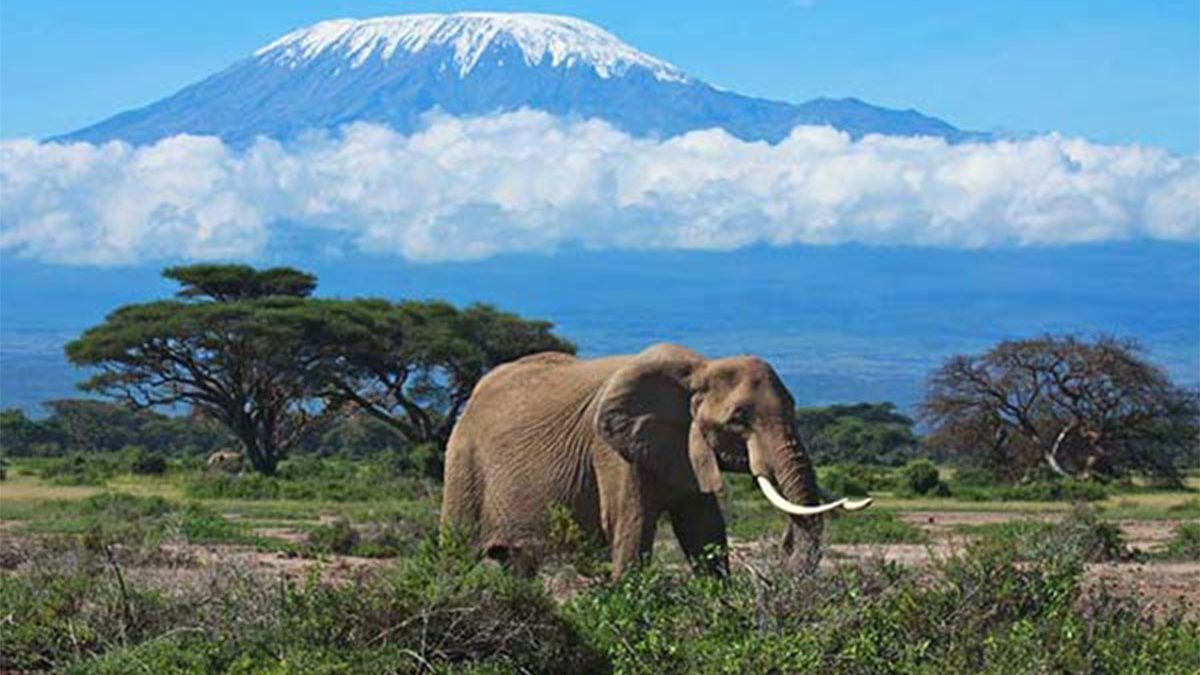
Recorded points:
(413, 364)
(252, 350)
(233, 344)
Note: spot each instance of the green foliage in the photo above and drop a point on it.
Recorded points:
(441, 609)
(982, 613)
(1046, 490)
(309, 477)
(145, 463)
(227, 283)
(872, 527)
(23, 437)
(864, 433)
(567, 543)
(250, 350)
(840, 481)
(414, 364)
(921, 477)
(80, 469)
(855, 480)
(88, 426)
(1184, 543)
(110, 518)
(336, 537)
(361, 436)
(1081, 533)
(996, 608)
(1189, 508)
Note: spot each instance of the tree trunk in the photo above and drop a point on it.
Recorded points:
(1052, 453)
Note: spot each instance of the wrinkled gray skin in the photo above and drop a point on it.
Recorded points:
(619, 441)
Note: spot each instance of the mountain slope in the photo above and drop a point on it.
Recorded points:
(394, 70)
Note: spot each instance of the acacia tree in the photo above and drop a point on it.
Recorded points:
(234, 345)
(413, 364)
(1083, 409)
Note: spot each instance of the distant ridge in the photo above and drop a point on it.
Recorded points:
(395, 70)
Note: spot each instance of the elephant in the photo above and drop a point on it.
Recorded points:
(618, 442)
(225, 461)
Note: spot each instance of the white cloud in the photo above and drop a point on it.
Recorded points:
(469, 188)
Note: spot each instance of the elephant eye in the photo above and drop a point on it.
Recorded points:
(740, 417)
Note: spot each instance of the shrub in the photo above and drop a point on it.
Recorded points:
(1184, 543)
(145, 463)
(920, 477)
(308, 478)
(839, 480)
(1188, 508)
(336, 537)
(1081, 534)
(442, 609)
(80, 470)
(873, 527)
(567, 543)
(1067, 489)
(976, 477)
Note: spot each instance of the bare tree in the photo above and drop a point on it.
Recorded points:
(1080, 408)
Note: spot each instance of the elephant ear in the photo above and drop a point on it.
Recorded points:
(645, 414)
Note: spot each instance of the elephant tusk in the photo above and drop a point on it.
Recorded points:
(777, 500)
(858, 505)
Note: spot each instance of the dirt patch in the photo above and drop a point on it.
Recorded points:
(289, 534)
(1164, 587)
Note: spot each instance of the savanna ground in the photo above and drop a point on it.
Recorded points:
(332, 568)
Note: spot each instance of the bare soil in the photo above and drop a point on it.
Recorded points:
(1165, 586)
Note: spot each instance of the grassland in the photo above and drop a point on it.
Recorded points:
(174, 574)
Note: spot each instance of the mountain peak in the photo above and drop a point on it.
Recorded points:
(564, 41)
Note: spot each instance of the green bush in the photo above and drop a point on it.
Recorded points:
(308, 478)
(1066, 489)
(439, 610)
(336, 537)
(873, 527)
(80, 469)
(921, 477)
(839, 480)
(1184, 543)
(145, 463)
(1080, 534)
(984, 612)
(974, 477)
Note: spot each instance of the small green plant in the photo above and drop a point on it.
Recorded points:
(1184, 543)
(566, 542)
(921, 477)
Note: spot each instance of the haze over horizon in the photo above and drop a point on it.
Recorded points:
(459, 158)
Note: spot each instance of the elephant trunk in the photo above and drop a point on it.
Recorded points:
(786, 476)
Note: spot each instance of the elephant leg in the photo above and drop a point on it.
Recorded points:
(632, 540)
(700, 528)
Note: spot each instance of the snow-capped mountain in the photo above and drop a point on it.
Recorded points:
(394, 70)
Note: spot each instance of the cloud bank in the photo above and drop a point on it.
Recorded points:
(529, 181)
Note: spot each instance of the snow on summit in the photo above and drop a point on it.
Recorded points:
(565, 41)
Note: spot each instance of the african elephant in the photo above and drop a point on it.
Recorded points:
(619, 441)
(225, 461)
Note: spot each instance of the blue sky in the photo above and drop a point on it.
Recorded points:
(1117, 72)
